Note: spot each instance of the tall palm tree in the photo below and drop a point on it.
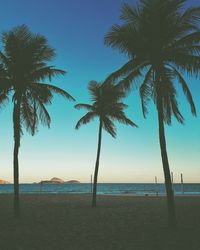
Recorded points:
(23, 67)
(162, 42)
(107, 107)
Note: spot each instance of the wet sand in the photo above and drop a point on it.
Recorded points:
(67, 222)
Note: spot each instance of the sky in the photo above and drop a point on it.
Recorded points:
(76, 29)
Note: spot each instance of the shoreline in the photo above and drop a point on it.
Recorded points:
(98, 195)
(101, 194)
(116, 189)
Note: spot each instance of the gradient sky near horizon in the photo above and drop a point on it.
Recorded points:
(76, 29)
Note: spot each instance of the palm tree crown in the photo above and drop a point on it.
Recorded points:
(106, 106)
(163, 42)
(23, 68)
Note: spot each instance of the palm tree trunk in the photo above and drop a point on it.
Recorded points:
(16, 127)
(166, 169)
(97, 166)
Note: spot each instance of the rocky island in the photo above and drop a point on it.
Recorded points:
(4, 182)
(56, 180)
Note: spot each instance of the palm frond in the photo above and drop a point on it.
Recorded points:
(188, 40)
(126, 68)
(109, 126)
(121, 118)
(43, 114)
(119, 38)
(191, 16)
(186, 63)
(46, 72)
(84, 106)
(86, 119)
(176, 111)
(146, 90)
(56, 90)
(130, 14)
(4, 98)
(27, 115)
(128, 81)
(186, 91)
(4, 59)
(39, 91)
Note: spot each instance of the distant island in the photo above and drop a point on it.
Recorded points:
(4, 182)
(56, 180)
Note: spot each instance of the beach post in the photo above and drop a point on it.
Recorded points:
(91, 183)
(182, 184)
(156, 182)
(172, 178)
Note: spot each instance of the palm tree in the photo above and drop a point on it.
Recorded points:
(23, 67)
(106, 106)
(162, 41)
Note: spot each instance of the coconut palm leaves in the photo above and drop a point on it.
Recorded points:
(162, 43)
(23, 68)
(106, 105)
(157, 33)
(108, 108)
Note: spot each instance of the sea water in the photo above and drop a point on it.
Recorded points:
(104, 188)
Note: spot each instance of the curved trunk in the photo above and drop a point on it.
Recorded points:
(17, 128)
(166, 169)
(97, 166)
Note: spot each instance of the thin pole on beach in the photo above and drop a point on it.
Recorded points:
(182, 184)
(156, 182)
(172, 178)
(91, 183)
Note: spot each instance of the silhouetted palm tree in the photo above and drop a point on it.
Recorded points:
(106, 106)
(162, 41)
(23, 67)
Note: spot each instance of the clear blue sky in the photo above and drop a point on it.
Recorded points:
(76, 29)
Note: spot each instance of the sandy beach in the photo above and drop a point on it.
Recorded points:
(62, 222)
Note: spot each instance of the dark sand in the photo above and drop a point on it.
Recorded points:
(67, 222)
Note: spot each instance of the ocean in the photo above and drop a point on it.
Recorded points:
(104, 188)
